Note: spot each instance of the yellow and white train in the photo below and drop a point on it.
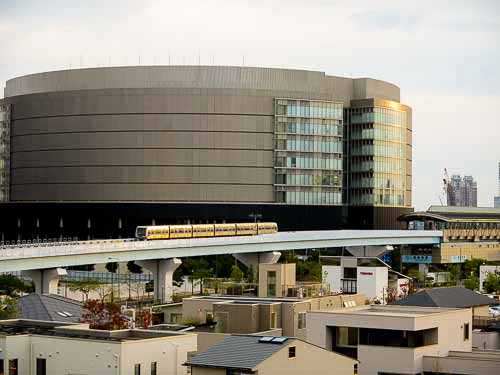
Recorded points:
(165, 232)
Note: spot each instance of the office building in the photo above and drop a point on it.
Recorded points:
(95, 152)
(468, 232)
(462, 192)
(55, 348)
(248, 354)
(402, 340)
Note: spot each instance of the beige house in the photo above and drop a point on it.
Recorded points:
(250, 315)
(392, 339)
(269, 355)
(50, 348)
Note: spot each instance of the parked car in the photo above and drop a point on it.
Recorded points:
(494, 311)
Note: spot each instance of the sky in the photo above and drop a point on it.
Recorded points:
(444, 55)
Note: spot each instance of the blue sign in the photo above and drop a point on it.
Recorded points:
(417, 258)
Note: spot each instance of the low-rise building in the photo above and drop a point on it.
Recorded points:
(56, 348)
(49, 307)
(234, 314)
(268, 355)
(391, 339)
(369, 276)
(453, 297)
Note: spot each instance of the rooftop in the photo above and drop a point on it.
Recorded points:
(243, 352)
(456, 213)
(454, 297)
(79, 331)
(49, 307)
(389, 311)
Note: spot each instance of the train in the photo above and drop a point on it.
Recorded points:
(166, 232)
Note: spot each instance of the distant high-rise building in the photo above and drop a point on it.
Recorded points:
(462, 191)
(496, 200)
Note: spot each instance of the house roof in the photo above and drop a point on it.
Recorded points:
(49, 307)
(238, 352)
(455, 297)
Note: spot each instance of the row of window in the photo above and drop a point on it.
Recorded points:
(309, 129)
(383, 166)
(383, 133)
(379, 116)
(304, 145)
(388, 150)
(382, 182)
(309, 162)
(313, 109)
(309, 179)
(377, 197)
(469, 225)
(310, 197)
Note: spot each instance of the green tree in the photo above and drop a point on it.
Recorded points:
(492, 283)
(8, 308)
(134, 267)
(236, 273)
(455, 274)
(472, 282)
(13, 286)
(471, 266)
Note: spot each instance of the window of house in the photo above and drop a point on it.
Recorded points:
(13, 367)
(291, 352)
(350, 273)
(302, 320)
(41, 366)
(153, 368)
(466, 331)
(271, 283)
(274, 322)
(175, 318)
(137, 369)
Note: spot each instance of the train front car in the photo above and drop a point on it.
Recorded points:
(141, 233)
(267, 228)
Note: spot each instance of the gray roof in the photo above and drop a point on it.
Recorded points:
(49, 307)
(237, 352)
(456, 297)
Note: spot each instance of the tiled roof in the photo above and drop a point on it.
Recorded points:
(456, 297)
(237, 352)
(49, 307)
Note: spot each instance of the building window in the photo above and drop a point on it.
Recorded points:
(153, 368)
(41, 366)
(271, 283)
(291, 352)
(175, 318)
(302, 320)
(466, 331)
(13, 367)
(137, 369)
(350, 273)
(274, 322)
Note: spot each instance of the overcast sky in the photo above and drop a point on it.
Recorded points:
(444, 55)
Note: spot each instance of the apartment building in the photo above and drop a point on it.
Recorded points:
(266, 355)
(30, 347)
(234, 314)
(399, 339)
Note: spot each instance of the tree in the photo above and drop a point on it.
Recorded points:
(472, 282)
(471, 266)
(13, 286)
(84, 287)
(8, 308)
(236, 273)
(492, 283)
(133, 267)
(112, 267)
(100, 315)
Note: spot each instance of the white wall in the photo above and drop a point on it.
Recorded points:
(373, 282)
(332, 276)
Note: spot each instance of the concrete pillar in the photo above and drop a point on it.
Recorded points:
(46, 280)
(254, 259)
(163, 273)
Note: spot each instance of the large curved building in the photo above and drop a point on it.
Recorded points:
(95, 152)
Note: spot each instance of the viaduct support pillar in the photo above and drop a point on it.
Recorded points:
(46, 280)
(254, 259)
(163, 273)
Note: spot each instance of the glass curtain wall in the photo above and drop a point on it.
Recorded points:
(308, 152)
(378, 155)
(4, 152)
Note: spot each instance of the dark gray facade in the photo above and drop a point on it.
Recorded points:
(178, 134)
